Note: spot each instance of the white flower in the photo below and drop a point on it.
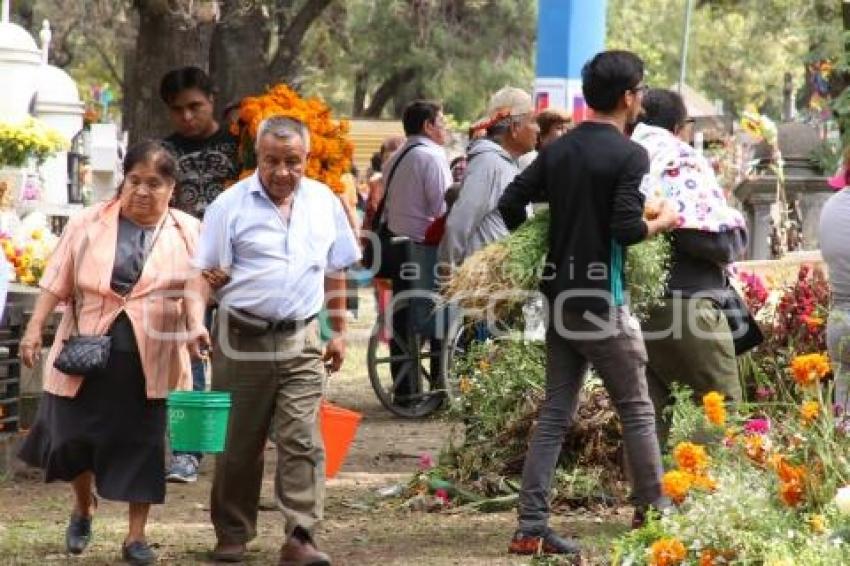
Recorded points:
(842, 500)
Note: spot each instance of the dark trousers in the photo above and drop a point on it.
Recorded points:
(408, 322)
(618, 355)
(688, 342)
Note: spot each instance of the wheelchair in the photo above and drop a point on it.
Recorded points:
(410, 362)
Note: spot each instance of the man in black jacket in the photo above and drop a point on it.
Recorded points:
(590, 177)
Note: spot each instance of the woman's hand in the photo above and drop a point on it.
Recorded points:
(31, 347)
(199, 343)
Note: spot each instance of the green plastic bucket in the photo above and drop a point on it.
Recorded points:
(197, 420)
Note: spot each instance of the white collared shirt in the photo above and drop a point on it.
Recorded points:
(276, 268)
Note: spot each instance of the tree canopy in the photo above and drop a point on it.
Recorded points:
(369, 57)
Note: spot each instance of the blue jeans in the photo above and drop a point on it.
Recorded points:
(199, 378)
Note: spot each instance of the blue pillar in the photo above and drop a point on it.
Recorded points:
(569, 33)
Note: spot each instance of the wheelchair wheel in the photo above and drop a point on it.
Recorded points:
(458, 339)
(415, 362)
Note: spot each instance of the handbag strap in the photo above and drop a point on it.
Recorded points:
(379, 214)
(84, 247)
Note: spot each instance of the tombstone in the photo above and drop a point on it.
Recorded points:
(20, 60)
(805, 185)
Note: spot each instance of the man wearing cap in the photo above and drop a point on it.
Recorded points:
(474, 220)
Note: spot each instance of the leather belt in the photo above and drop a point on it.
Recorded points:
(254, 324)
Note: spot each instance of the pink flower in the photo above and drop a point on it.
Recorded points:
(757, 426)
(426, 461)
(442, 496)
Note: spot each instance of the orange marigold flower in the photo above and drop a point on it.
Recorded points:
(809, 412)
(715, 410)
(667, 552)
(791, 493)
(792, 480)
(703, 482)
(691, 457)
(676, 484)
(754, 445)
(707, 556)
(808, 369)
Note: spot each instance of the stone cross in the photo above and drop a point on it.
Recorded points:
(45, 35)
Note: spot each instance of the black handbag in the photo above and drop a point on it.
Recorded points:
(83, 354)
(746, 333)
(380, 255)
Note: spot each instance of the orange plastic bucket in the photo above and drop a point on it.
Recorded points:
(339, 426)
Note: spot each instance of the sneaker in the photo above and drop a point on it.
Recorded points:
(546, 543)
(184, 469)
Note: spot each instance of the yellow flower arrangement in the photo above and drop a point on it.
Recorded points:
(29, 138)
(667, 552)
(691, 457)
(808, 369)
(809, 412)
(28, 253)
(715, 410)
(331, 150)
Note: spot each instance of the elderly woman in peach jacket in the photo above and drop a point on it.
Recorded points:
(121, 267)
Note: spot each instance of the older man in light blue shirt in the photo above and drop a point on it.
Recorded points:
(284, 240)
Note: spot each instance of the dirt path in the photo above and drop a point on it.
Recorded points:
(360, 529)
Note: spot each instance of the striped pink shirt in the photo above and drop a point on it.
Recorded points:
(155, 306)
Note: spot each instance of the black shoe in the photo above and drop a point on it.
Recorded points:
(546, 542)
(78, 534)
(138, 553)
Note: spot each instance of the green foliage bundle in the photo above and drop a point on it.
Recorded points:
(499, 277)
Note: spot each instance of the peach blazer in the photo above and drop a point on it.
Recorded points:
(81, 266)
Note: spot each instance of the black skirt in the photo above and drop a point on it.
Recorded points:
(110, 428)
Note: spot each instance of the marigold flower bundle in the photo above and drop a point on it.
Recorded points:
(714, 407)
(808, 369)
(331, 150)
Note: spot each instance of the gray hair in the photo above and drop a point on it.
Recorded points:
(285, 128)
(498, 130)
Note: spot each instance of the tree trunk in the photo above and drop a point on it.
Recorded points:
(361, 83)
(167, 39)
(388, 91)
(284, 65)
(238, 55)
